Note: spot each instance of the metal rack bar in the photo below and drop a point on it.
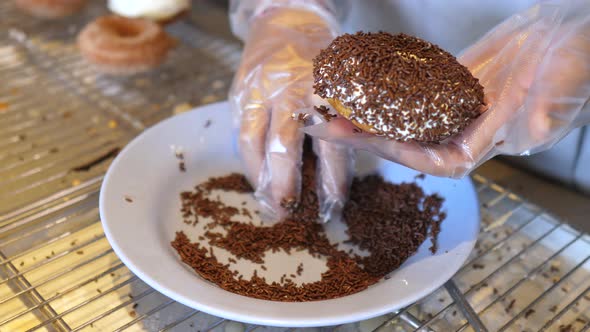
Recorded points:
(405, 316)
(110, 311)
(47, 227)
(465, 307)
(513, 259)
(32, 288)
(179, 321)
(25, 214)
(147, 314)
(11, 128)
(47, 260)
(74, 158)
(214, 325)
(499, 243)
(412, 321)
(565, 309)
(106, 105)
(34, 295)
(481, 282)
(71, 289)
(75, 148)
(540, 297)
(79, 305)
(527, 277)
(251, 328)
(404, 311)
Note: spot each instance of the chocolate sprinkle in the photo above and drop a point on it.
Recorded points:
(378, 216)
(566, 328)
(477, 266)
(324, 112)
(510, 305)
(300, 269)
(400, 217)
(400, 86)
(300, 117)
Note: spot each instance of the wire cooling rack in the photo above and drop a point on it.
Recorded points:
(529, 271)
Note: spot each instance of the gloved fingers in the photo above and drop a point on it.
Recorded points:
(454, 157)
(252, 140)
(299, 34)
(562, 86)
(478, 57)
(447, 160)
(334, 174)
(281, 175)
(507, 79)
(338, 127)
(437, 159)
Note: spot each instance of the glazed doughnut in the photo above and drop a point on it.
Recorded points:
(121, 45)
(397, 86)
(161, 11)
(50, 8)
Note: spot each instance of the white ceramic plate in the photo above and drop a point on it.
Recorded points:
(140, 231)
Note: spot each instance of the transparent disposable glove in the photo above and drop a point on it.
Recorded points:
(535, 70)
(274, 81)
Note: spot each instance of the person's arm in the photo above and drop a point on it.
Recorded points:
(535, 69)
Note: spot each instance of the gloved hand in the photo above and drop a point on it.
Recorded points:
(273, 82)
(535, 70)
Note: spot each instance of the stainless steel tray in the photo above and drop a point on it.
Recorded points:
(530, 272)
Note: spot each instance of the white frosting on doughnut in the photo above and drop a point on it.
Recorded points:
(150, 9)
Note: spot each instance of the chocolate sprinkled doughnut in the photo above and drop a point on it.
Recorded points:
(397, 86)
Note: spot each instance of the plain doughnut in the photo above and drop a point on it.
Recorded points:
(121, 45)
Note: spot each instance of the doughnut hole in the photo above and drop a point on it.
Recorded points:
(124, 28)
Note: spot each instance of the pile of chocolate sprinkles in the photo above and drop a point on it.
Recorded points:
(399, 229)
(401, 86)
(390, 221)
(233, 182)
